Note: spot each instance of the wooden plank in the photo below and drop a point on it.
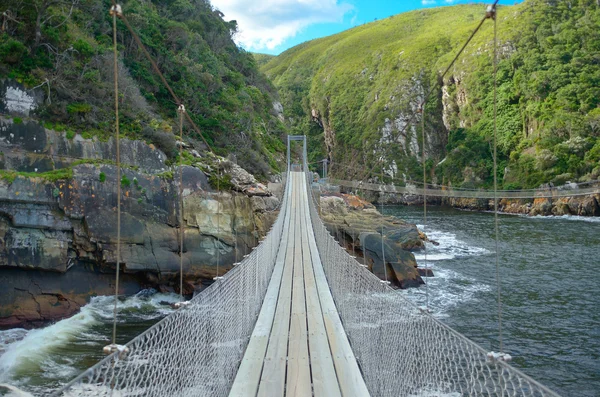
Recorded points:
(324, 378)
(349, 376)
(248, 375)
(272, 381)
(298, 370)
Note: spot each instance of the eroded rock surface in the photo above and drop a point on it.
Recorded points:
(58, 239)
(359, 227)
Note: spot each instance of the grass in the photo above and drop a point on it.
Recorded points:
(49, 176)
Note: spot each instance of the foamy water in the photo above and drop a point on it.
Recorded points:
(548, 278)
(42, 359)
(448, 288)
(568, 218)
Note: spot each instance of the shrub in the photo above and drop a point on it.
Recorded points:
(18, 120)
(12, 51)
(162, 140)
(79, 108)
(125, 182)
(102, 177)
(220, 182)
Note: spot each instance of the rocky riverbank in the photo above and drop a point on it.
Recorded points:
(58, 221)
(360, 228)
(586, 205)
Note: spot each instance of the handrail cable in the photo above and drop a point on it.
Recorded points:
(431, 186)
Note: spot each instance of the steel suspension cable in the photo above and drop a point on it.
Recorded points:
(382, 243)
(115, 11)
(162, 78)
(181, 111)
(424, 203)
(411, 120)
(498, 281)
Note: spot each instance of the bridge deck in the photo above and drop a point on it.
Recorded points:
(298, 347)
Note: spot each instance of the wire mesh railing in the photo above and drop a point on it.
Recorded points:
(401, 349)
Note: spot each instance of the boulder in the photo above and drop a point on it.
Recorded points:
(359, 228)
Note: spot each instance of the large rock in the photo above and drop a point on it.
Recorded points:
(242, 180)
(35, 297)
(359, 228)
(53, 229)
(29, 147)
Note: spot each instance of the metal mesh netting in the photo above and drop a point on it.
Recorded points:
(403, 351)
(195, 351)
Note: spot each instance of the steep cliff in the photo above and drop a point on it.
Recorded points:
(61, 53)
(58, 218)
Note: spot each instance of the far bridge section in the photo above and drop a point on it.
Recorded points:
(571, 190)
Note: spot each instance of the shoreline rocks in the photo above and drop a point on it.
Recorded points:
(585, 205)
(360, 229)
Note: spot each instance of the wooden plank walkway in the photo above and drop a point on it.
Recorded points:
(298, 347)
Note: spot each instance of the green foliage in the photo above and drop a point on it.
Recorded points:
(78, 108)
(70, 134)
(11, 51)
(49, 176)
(370, 78)
(163, 141)
(227, 96)
(102, 177)
(125, 182)
(17, 120)
(166, 175)
(220, 182)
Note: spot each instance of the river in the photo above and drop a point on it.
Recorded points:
(551, 304)
(40, 360)
(550, 280)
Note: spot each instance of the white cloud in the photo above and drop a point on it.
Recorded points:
(430, 2)
(265, 24)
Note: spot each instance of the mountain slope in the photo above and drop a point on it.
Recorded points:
(65, 49)
(357, 94)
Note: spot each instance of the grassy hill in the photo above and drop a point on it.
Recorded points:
(354, 93)
(65, 49)
(262, 59)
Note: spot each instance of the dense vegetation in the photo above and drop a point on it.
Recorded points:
(354, 93)
(65, 48)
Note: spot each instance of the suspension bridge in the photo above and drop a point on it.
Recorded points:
(298, 316)
(301, 317)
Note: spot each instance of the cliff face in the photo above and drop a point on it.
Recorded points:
(58, 222)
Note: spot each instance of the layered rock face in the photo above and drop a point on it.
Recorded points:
(575, 205)
(360, 228)
(585, 205)
(58, 238)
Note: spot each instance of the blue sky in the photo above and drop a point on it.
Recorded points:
(272, 26)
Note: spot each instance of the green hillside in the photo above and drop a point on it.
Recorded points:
(262, 59)
(65, 49)
(354, 92)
